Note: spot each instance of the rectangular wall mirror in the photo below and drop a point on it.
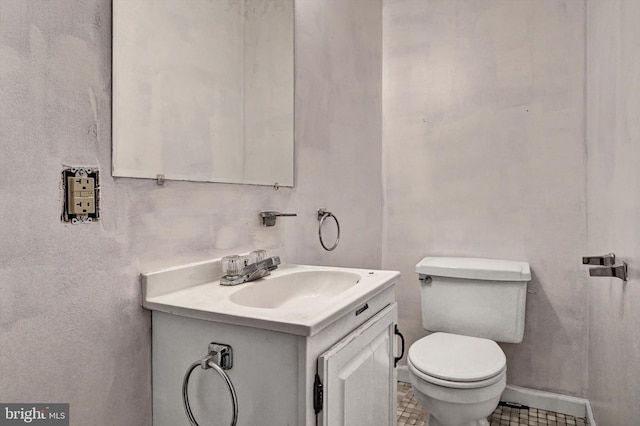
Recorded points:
(203, 90)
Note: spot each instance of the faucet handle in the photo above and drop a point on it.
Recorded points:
(257, 255)
(232, 265)
(269, 218)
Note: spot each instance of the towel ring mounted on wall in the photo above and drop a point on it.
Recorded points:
(322, 216)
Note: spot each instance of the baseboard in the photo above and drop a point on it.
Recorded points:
(591, 421)
(403, 373)
(577, 407)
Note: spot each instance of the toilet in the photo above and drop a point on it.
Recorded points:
(458, 372)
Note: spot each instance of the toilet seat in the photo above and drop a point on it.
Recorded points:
(456, 361)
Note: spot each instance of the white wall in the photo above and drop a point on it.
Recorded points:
(484, 155)
(483, 149)
(613, 143)
(71, 326)
(338, 131)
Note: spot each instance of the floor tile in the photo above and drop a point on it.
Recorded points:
(410, 413)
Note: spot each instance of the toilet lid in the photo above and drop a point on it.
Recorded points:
(457, 358)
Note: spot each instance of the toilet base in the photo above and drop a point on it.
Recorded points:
(457, 407)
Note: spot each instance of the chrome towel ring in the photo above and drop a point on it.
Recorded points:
(220, 358)
(322, 216)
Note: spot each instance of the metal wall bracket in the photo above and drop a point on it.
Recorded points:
(607, 266)
(269, 218)
(222, 355)
(617, 271)
(604, 260)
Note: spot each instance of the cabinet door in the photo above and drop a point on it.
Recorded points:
(358, 375)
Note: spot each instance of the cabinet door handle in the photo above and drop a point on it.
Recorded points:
(398, 358)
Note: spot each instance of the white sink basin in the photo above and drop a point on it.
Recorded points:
(296, 299)
(295, 289)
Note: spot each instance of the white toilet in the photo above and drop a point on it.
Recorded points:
(459, 372)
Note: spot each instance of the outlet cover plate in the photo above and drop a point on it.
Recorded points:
(81, 194)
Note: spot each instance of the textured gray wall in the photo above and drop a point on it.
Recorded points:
(483, 136)
(71, 326)
(613, 141)
(497, 133)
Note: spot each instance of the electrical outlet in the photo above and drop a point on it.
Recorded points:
(82, 205)
(81, 184)
(81, 195)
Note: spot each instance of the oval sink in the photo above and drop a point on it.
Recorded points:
(295, 289)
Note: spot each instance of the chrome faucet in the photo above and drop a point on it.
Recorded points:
(252, 271)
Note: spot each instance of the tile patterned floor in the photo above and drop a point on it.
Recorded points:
(411, 414)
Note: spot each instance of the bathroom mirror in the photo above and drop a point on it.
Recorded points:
(203, 90)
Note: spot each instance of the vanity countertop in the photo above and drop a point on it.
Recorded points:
(194, 291)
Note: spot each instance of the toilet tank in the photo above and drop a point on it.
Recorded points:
(474, 297)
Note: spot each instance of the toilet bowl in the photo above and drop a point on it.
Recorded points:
(459, 379)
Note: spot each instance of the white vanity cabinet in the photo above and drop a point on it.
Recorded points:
(274, 373)
(358, 375)
(340, 366)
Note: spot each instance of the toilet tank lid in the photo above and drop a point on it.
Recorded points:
(474, 268)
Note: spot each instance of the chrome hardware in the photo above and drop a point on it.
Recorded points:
(222, 355)
(362, 309)
(318, 395)
(425, 279)
(604, 260)
(252, 272)
(269, 218)
(219, 358)
(398, 358)
(607, 266)
(618, 271)
(322, 216)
